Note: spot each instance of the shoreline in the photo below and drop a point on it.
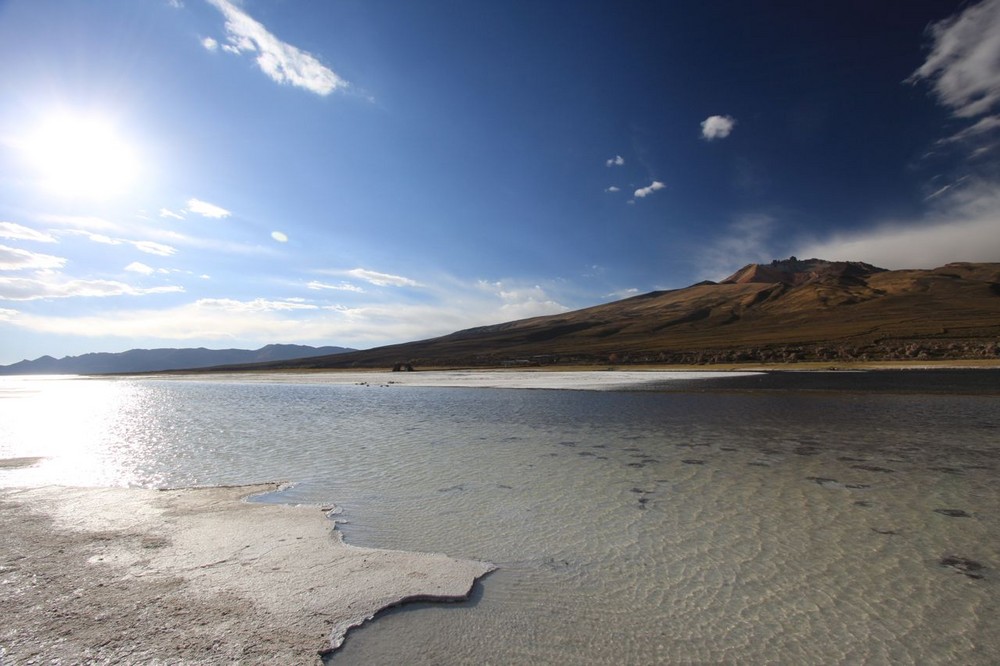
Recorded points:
(197, 575)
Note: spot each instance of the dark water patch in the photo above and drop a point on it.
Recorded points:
(857, 486)
(457, 488)
(877, 530)
(693, 461)
(758, 464)
(636, 465)
(586, 453)
(874, 468)
(806, 451)
(851, 459)
(964, 566)
(822, 480)
(728, 449)
(948, 470)
(953, 513)
(569, 444)
(862, 503)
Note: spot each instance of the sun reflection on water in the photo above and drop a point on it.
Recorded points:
(88, 432)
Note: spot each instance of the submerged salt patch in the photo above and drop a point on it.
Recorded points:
(240, 580)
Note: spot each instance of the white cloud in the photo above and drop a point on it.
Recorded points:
(649, 189)
(20, 232)
(139, 267)
(613, 188)
(521, 302)
(282, 62)
(31, 289)
(617, 160)
(166, 212)
(206, 209)
(279, 236)
(343, 286)
(453, 307)
(964, 227)
(381, 279)
(717, 127)
(15, 259)
(963, 67)
(210, 44)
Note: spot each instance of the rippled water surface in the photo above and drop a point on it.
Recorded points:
(629, 527)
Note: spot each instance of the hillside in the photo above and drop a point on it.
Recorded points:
(152, 360)
(790, 310)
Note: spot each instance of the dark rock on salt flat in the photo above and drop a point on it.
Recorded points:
(821, 480)
(964, 566)
(953, 513)
(874, 468)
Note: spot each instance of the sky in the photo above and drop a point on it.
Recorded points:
(226, 173)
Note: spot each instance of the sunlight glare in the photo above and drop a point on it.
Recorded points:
(80, 156)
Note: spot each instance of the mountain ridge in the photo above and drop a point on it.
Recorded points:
(161, 359)
(787, 311)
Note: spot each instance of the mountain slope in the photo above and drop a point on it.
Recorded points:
(152, 360)
(788, 310)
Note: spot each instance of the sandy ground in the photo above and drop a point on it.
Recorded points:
(195, 576)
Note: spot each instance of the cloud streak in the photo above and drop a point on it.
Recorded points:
(963, 67)
(20, 232)
(382, 279)
(31, 289)
(205, 209)
(16, 259)
(280, 61)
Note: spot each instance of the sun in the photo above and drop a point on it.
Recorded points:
(78, 155)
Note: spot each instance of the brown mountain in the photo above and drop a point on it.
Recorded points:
(788, 310)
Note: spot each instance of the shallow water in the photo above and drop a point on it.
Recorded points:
(629, 527)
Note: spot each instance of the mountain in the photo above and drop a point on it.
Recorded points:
(152, 360)
(785, 311)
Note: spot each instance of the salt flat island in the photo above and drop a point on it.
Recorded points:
(786, 517)
(129, 575)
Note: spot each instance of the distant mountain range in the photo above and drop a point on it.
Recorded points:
(786, 311)
(153, 360)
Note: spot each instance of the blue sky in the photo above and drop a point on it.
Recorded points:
(362, 172)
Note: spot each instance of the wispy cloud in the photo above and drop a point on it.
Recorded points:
(146, 246)
(745, 240)
(457, 306)
(206, 209)
(963, 67)
(282, 62)
(962, 227)
(210, 44)
(31, 289)
(717, 127)
(382, 279)
(643, 192)
(20, 232)
(617, 160)
(279, 236)
(613, 188)
(341, 286)
(15, 259)
(166, 212)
